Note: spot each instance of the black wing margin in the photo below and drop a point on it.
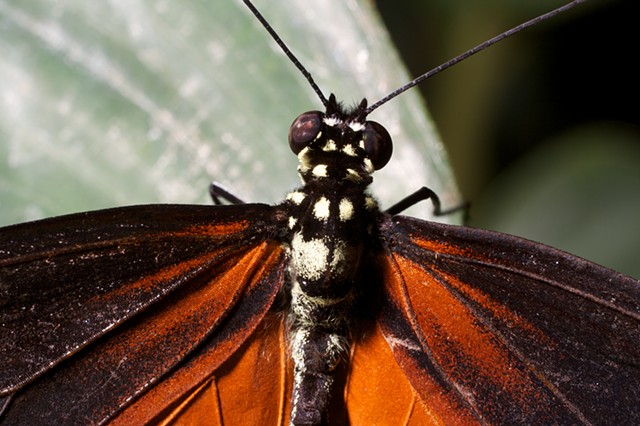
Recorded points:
(96, 307)
(510, 331)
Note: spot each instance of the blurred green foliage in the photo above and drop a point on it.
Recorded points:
(132, 102)
(542, 129)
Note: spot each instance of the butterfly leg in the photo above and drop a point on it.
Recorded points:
(219, 193)
(423, 194)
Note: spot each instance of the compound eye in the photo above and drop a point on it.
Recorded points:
(377, 144)
(304, 130)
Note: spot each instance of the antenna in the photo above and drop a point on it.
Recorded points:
(472, 52)
(420, 78)
(287, 52)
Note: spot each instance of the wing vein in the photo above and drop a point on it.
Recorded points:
(486, 322)
(537, 277)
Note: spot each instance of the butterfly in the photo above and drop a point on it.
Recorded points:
(322, 309)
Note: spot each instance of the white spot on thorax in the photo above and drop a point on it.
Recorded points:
(320, 170)
(309, 258)
(321, 209)
(343, 260)
(330, 146)
(348, 149)
(292, 222)
(345, 209)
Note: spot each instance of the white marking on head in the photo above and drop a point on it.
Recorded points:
(309, 258)
(345, 209)
(303, 158)
(296, 197)
(368, 165)
(348, 149)
(321, 209)
(332, 121)
(320, 170)
(330, 146)
(356, 126)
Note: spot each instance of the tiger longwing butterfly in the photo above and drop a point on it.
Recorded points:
(321, 309)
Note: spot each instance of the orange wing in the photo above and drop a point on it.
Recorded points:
(475, 327)
(495, 329)
(98, 308)
(253, 388)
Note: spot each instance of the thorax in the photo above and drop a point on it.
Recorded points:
(329, 230)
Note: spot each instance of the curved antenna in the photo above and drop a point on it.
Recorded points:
(287, 52)
(471, 52)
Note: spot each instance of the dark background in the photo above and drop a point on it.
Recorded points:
(576, 73)
(572, 69)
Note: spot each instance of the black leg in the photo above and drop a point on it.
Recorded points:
(423, 194)
(219, 193)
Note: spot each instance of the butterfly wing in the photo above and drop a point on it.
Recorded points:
(98, 307)
(252, 387)
(492, 328)
(377, 390)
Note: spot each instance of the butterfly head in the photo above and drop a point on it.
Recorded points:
(339, 145)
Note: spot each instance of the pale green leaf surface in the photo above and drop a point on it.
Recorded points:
(132, 102)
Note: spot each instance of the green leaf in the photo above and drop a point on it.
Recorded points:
(579, 191)
(132, 102)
